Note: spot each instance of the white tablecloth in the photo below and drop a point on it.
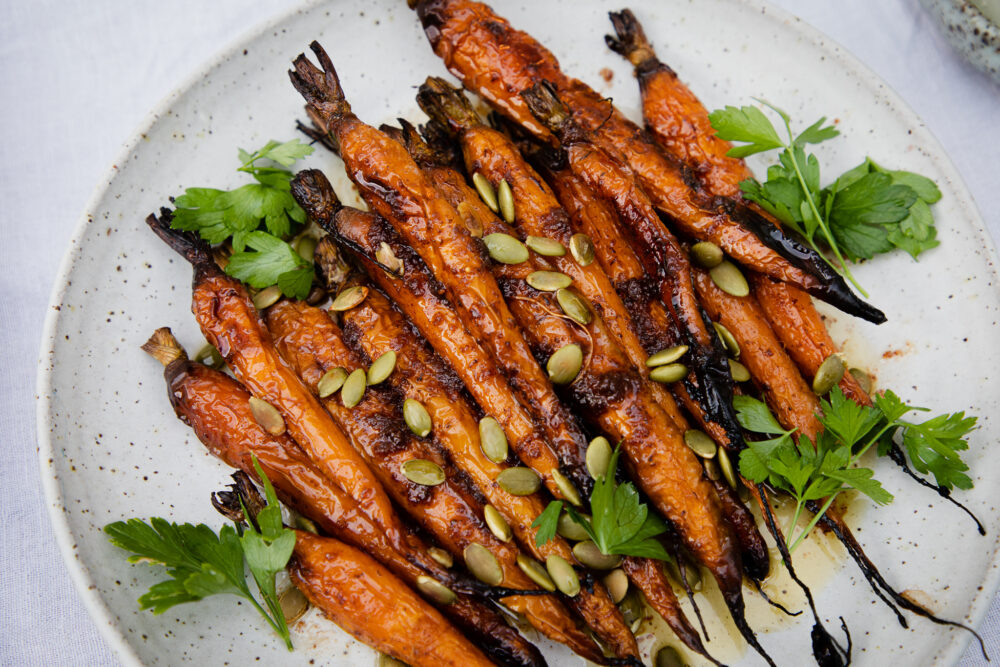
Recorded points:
(75, 80)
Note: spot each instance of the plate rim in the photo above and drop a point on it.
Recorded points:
(95, 605)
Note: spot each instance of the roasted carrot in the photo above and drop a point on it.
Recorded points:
(394, 186)
(498, 62)
(217, 407)
(352, 589)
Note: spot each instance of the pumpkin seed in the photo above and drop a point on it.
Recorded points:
(616, 582)
(387, 258)
(266, 297)
(209, 356)
(548, 281)
(729, 279)
(349, 298)
(382, 368)
(331, 381)
(631, 606)
(707, 254)
(435, 590)
(728, 340)
(700, 443)
(712, 470)
(739, 372)
(863, 378)
(519, 481)
(536, 572)
(545, 247)
(667, 356)
(570, 529)
(306, 247)
(293, 604)
(566, 488)
(829, 374)
(416, 417)
(267, 416)
(492, 440)
(582, 249)
(598, 457)
(505, 249)
(497, 524)
(483, 565)
(588, 553)
(563, 575)
(727, 467)
(440, 556)
(486, 191)
(505, 199)
(565, 364)
(574, 307)
(669, 657)
(316, 296)
(353, 388)
(423, 472)
(669, 373)
(305, 524)
(389, 661)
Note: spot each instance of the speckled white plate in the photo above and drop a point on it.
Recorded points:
(110, 446)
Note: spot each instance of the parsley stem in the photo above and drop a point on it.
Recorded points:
(799, 504)
(280, 630)
(815, 520)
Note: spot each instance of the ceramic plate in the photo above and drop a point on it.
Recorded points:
(110, 446)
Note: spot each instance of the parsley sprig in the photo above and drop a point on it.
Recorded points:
(238, 216)
(866, 211)
(201, 563)
(621, 523)
(813, 471)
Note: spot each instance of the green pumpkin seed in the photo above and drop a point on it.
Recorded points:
(306, 248)
(519, 481)
(267, 416)
(505, 198)
(331, 381)
(563, 575)
(598, 457)
(707, 254)
(862, 378)
(422, 472)
(387, 258)
(700, 443)
(729, 279)
(739, 372)
(305, 524)
(565, 364)
(435, 590)
(416, 417)
(566, 488)
(582, 249)
(316, 296)
(266, 297)
(669, 657)
(486, 191)
(382, 368)
(353, 388)
(483, 565)
(712, 470)
(632, 610)
(727, 467)
(667, 356)
(209, 356)
(588, 553)
(492, 440)
(728, 340)
(669, 373)
(505, 249)
(616, 582)
(389, 661)
(440, 556)
(574, 307)
(536, 572)
(829, 374)
(497, 524)
(548, 281)
(349, 298)
(293, 604)
(545, 247)
(570, 529)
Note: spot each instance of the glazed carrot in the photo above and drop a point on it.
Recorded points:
(217, 407)
(352, 589)
(499, 63)
(313, 344)
(394, 187)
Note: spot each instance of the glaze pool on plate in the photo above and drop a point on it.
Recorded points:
(110, 446)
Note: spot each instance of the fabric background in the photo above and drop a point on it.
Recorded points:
(77, 77)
